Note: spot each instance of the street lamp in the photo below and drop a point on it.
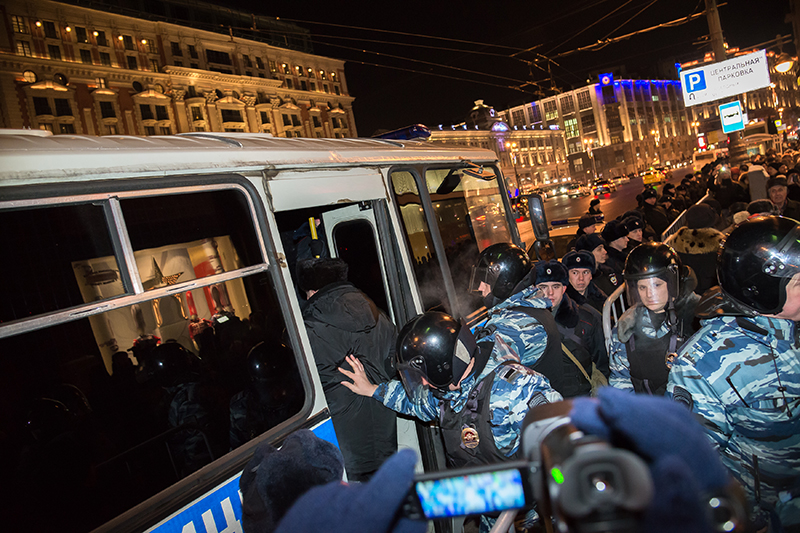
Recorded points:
(588, 143)
(511, 146)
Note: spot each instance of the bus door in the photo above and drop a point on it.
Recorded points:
(353, 236)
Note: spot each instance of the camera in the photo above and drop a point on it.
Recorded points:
(583, 482)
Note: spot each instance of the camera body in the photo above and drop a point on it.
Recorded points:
(583, 482)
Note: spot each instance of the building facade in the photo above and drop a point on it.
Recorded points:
(614, 129)
(530, 158)
(180, 67)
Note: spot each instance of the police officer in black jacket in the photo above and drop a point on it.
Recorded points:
(580, 327)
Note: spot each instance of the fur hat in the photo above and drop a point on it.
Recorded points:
(314, 274)
(273, 479)
(614, 230)
(594, 202)
(700, 216)
(740, 217)
(760, 206)
(551, 271)
(649, 192)
(586, 221)
(633, 223)
(589, 242)
(775, 181)
(582, 259)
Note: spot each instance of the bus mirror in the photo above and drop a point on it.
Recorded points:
(538, 217)
(450, 182)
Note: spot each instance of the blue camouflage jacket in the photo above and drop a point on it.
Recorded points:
(732, 377)
(618, 362)
(519, 330)
(509, 401)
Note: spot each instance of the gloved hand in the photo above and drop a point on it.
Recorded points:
(339, 507)
(683, 464)
(317, 248)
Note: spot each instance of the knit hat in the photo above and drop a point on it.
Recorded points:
(314, 274)
(586, 221)
(582, 259)
(589, 242)
(374, 506)
(649, 192)
(273, 479)
(551, 271)
(774, 181)
(614, 230)
(594, 202)
(700, 216)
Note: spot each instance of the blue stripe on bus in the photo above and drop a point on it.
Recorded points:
(220, 511)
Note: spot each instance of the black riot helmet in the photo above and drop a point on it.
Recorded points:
(653, 260)
(433, 350)
(169, 364)
(270, 363)
(757, 261)
(501, 266)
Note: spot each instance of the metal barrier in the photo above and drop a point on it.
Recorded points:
(679, 222)
(613, 308)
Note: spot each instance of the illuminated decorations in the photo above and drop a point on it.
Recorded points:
(500, 126)
(159, 279)
(29, 76)
(606, 79)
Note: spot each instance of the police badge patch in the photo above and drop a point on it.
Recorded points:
(469, 437)
(679, 394)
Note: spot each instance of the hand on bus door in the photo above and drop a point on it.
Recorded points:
(361, 384)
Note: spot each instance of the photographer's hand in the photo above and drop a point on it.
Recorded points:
(361, 384)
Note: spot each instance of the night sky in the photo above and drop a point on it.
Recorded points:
(391, 75)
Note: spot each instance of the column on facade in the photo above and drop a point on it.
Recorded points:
(182, 123)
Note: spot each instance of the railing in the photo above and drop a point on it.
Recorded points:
(613, 308)
(679, 222)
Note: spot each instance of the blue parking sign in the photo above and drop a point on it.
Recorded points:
(694, 81)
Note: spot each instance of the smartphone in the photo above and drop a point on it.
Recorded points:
(476, 490)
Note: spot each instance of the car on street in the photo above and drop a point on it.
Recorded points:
(603, 187)
(576, 191)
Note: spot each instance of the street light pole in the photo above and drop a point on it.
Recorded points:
(511, 146)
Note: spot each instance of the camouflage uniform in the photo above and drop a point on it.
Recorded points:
(618, 355)
(519, 330)
(509, 399)
(741, 381)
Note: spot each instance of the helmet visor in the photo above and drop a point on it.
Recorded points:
(785, 263)
(653, 293)
(413, 374)
(480, 274)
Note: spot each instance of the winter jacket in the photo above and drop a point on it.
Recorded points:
(592, 296)
(581, 329)
(341, 319)
(656, 217)
(741, 376)
(698, 249)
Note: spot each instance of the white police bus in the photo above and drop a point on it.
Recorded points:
(111, 245)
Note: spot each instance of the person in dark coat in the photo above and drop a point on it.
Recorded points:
(616, 236)
(582, 289)
(654, 215)
(341, 320)
(635, 227)
(697, 245)
(777, 189)
(579, 325)
(594, 207)
(605, 277)
(587, 225)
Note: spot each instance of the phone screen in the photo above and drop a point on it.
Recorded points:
(471, 494)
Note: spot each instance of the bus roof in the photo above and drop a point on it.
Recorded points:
(28, 159)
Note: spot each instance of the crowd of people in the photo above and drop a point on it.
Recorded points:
(729, 280)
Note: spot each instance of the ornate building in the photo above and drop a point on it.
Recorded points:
(181, 66)
(615, 127)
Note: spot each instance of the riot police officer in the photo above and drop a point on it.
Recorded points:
(659, 321)
(518, 312)
(741, 372)
(479, 393)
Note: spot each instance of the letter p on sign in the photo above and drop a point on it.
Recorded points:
(694, 81)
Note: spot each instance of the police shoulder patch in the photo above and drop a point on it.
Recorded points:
(537, 399)
(681, 395)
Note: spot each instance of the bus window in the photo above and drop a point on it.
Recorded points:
(470, 215)
(103, 412)
(418, 237)
(42, 247)
(355, 245)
